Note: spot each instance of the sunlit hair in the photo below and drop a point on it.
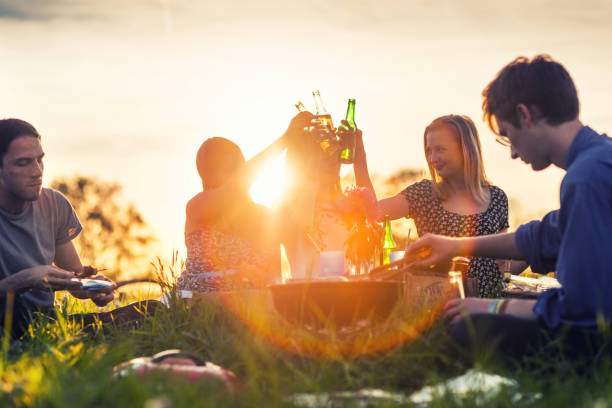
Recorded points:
(218, 152)
(473, 168)
(541, 84)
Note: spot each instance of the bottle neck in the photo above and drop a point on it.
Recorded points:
(350, 113)
(320, 108)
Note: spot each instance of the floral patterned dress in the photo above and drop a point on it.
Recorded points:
(218, 259)
(425, 208)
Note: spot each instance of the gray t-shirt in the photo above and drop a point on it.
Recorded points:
(29, 239)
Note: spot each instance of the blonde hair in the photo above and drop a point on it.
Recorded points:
(473, 167)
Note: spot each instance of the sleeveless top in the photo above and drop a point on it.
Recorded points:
(218, 259)
(430, 217)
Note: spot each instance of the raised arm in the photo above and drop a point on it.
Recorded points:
(209, 204)
(395, 207)
(360, 164)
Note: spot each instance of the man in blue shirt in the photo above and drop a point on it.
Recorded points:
(532, 106)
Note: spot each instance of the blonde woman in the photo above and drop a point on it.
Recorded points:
(458, 201)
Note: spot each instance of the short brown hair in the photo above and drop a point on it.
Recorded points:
(11, 129)
(215, 150)
(541, 84)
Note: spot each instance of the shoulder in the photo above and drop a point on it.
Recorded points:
(420, 188)
(51, 198)
(497, 194)
(593, 167)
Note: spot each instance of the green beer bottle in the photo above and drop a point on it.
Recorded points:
(388, 242)
(347, 155)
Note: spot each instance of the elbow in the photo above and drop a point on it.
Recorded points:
(189, 208)
(192, 208)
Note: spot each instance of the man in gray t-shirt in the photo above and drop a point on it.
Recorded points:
(37, 226)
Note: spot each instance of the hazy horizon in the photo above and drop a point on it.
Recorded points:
(128, 93)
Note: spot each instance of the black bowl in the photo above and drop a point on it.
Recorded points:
(339, 303)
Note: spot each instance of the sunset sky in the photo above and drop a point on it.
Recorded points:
(128, 90)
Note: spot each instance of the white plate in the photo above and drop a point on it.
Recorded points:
(92, 284)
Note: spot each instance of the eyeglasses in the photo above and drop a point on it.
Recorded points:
(503, 140)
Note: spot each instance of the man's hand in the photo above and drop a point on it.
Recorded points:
(99, 297)
(87, 271)
(432, 250)
(457, 309)
(41, 277)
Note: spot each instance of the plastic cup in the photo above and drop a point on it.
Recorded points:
(332, 263)
(396, 255)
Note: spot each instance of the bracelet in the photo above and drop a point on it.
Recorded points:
(493, 306)
(497, 306)
(503, 305)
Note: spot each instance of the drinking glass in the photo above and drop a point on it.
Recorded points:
(332, 263)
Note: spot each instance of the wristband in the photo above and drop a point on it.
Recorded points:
(499, 305)
(493, 306)
(502, 306)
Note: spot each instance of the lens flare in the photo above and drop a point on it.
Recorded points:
(415, 312)
(271, 183)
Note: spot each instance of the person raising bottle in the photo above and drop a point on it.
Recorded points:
(457, 201)
(232, 241)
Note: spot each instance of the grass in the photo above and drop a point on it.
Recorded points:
(57, 365)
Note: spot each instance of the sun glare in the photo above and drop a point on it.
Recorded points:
(269, 186)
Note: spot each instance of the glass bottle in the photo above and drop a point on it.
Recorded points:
(457, 276)
(328, 140)
(347, 155)
(388, 242)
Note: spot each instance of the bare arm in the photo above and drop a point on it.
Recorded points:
(394, 207)
(209, 204)
(39, 277)
(511, 266)
(438, 249)
(502, 246)
(456, 308)
(66, 257)
(360, 164)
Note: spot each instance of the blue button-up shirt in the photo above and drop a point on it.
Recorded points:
(576, 240)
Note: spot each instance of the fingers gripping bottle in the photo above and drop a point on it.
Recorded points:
(327, 135)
